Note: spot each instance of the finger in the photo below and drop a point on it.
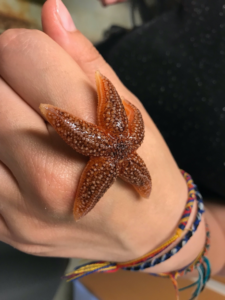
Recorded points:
(55, 20)
(17, 120)
(45, 73)
(9, 192)
(9, 188)
(5, 235)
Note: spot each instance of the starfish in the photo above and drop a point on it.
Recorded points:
(111, 145)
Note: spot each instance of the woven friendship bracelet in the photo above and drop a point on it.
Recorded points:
(201, 264)
(144, 261)
(190, 268)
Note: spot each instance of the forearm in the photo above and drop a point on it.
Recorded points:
(217, 212)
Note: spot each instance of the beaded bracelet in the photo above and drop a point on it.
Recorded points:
(149, 259)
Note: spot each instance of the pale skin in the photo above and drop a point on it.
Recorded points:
(41, 173)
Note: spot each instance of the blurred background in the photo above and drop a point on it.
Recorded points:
(16, 13)
(90, 16)
(99, 23)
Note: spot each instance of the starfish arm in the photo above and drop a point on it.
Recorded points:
(86, 138)
(111, 113)
(133, 170)
(135, 125)
(97, 177)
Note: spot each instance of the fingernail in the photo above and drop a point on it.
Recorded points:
(65, 17)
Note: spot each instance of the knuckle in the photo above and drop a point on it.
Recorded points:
(7, 36)
(18, 38)
(10, 37)
(52, 189)
(92, 54)
(86, 50)
(37, 250)
(29, 238)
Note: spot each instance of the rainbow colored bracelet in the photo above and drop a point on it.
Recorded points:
(201, 264)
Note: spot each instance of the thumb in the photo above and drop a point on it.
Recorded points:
(58, 24)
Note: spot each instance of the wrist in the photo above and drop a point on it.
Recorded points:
(194, 247)
(186, 255)
(146, 224)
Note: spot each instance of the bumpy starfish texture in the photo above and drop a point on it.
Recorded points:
(111, 145)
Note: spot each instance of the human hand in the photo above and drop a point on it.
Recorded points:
(40, 172)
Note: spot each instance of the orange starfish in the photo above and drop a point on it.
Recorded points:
(111, 145)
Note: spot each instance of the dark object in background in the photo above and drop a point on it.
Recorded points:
(111, 37)
(149, 9)
(27, 277)
(175, 64)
